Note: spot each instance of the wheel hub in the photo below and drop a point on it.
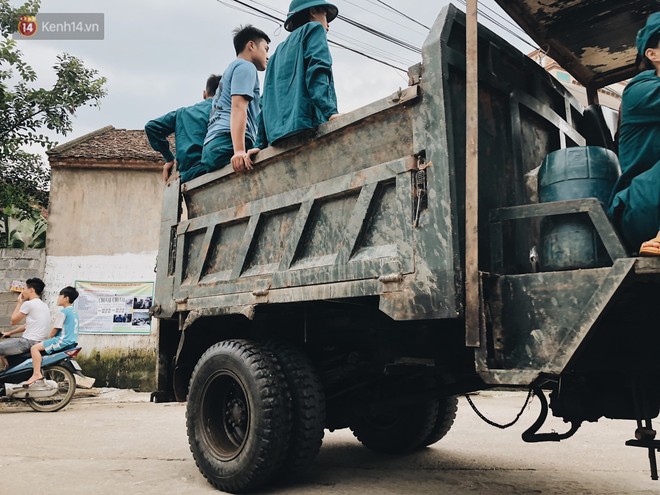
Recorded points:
(227, 415)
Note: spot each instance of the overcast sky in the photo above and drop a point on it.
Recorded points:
(157, 54)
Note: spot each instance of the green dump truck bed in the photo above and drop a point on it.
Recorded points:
(345, 212)
(332, 277)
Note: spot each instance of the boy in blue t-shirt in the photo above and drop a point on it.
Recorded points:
(63, 334)
(232, 128)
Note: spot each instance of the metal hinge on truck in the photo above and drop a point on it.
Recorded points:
(419, 186)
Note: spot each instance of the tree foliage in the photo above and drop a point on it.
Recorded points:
(27, 110)
(22, 233)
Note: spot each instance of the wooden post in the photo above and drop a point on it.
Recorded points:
(472, 303)
(592, 95)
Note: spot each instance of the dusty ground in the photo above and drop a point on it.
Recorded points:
(116, 442)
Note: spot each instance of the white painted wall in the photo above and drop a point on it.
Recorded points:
(103, 226)
(65, 270)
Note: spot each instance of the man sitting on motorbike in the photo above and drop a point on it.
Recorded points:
(36, 314)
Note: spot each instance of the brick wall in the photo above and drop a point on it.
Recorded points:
(17, 264)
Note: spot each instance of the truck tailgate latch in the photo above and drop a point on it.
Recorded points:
(420, 195)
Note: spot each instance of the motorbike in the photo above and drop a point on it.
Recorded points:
(59, 384)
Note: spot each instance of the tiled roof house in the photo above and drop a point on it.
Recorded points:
(107, 147)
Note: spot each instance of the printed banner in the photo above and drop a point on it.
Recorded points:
(114, 307)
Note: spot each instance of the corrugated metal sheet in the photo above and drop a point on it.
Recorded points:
(594, 39)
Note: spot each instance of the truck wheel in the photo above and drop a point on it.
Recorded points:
(447, 407)
(238, 415)
(396, 430)
(308, 405)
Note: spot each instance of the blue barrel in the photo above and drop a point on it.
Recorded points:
(569, 242)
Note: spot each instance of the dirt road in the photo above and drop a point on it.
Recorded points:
(116, 442)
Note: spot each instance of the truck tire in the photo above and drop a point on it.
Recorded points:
(396, 430)
(238, 415)
(308, 407)
(447, 407)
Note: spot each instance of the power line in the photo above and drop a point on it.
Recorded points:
(372, 49)
(340, 45)
(501, 26)
(270, 7)
(402, 14)
(252, 7)
(380, 34)
(247, 11)
(503, 18)
(361, 7)
(365, 55)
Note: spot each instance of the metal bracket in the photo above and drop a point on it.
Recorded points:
(419, 186)
(591, 206)
(645, 434)
(652, 446)
(531, 435)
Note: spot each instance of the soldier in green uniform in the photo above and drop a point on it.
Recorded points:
(299, 91)
(635, 205)
(189, 127)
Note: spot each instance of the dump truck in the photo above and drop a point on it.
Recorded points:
(367, 272)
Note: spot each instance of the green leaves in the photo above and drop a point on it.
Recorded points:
(22, 233)
(27, 108)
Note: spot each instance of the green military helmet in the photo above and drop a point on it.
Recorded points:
(644, 35)
(298, 6)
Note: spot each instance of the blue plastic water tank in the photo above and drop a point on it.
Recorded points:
(570, 241)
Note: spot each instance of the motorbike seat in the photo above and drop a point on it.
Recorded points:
(19, 358)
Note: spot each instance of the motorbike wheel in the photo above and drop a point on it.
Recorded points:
(238, 415)
(66, 387)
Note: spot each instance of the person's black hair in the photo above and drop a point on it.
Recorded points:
(244, 34)
(70, 293)
(212, 84)
(654, 42)
(37, 284)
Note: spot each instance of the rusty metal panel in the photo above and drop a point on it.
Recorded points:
(581, 321)
(523, 115)
(591, 206)
(165, 306)
(348, 205)
(471, 273)
(592, 39)
(378, 133)
(346, 228)
(540, 323)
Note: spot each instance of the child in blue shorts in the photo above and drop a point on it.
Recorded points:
(63, 334)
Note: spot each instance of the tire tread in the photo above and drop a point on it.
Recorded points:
(275, 412)
(308, 401)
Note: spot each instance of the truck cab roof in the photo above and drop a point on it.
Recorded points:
(594, 40)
